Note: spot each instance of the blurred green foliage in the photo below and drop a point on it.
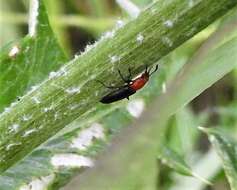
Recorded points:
(78, 23)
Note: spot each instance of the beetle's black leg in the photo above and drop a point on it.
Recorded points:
(120, 74)
(130, 74)
(128, 97)
(156, 68)
(146, 69)
(125, 80)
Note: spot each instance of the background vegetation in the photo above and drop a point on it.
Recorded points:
(183, 123)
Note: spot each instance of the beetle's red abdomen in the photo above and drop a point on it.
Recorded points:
(139, 82)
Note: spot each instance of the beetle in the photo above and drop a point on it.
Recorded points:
(129, 88)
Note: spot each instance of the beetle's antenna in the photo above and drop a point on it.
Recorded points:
(156, 68)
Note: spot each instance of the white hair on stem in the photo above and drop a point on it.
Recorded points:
(33, 13)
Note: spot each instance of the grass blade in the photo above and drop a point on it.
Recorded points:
(177, 163)
(227, 151)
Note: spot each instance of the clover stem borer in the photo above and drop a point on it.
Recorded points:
(129, 88)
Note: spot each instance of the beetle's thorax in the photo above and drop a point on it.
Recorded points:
(140, 81)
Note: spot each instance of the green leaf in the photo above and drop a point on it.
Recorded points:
(227, 151)
(173, 160)
(27, 62)
(176, 162)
